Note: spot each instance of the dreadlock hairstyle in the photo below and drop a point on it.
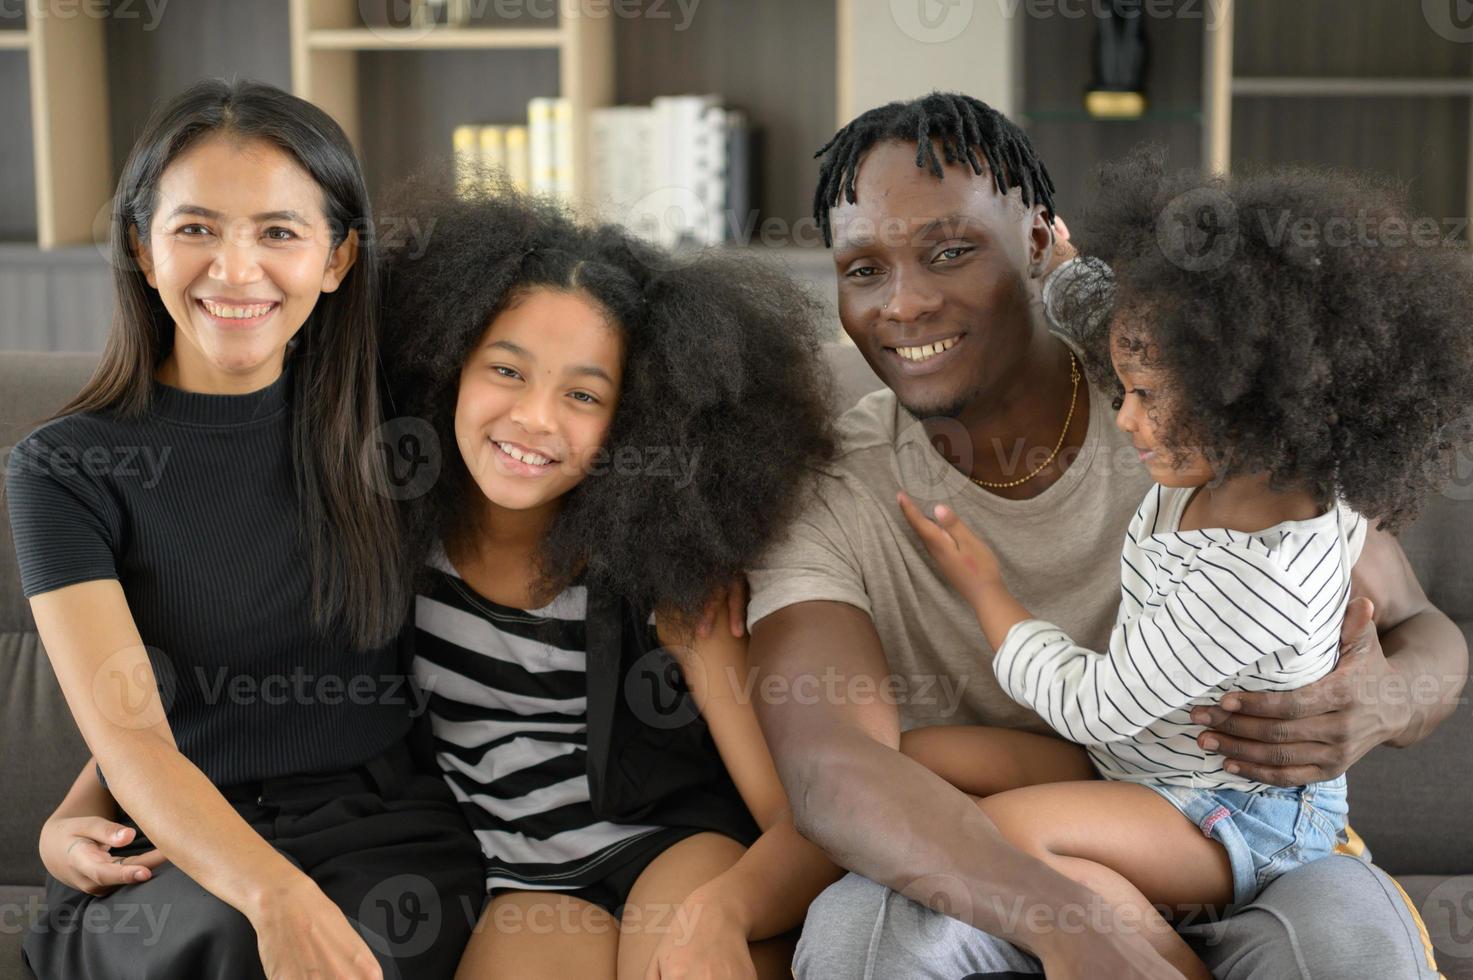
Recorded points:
(961, 124)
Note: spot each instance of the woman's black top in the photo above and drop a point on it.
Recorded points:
(192, 507)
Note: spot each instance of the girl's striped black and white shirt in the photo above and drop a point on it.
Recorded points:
(508, 706)
(1202, 613)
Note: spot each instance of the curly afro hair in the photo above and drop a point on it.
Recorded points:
(1310, 326)
(722, 359)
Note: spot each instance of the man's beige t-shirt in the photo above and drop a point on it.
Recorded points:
(1059, 551)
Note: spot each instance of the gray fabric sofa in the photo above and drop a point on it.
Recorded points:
(1414, 807)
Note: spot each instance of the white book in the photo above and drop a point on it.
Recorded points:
(542, 153)
(708, 169)
(563, 165)
(518, 162)
(618, 154)
(467, 155)
(606, 168)
(492, 140)
(685, 215)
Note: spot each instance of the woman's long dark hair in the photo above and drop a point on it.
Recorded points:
(351, 528)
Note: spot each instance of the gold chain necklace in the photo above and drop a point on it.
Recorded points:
(1073, 399)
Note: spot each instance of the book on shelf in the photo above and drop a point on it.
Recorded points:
(465, 144)
(677, 171)
(426, 14)
(490, 153)
(550, 142)
(493, 147)
(741, 202)
(518, 166)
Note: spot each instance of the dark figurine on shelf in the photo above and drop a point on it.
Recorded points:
(1118, 89)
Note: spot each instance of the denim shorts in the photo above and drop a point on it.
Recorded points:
(1267, 831)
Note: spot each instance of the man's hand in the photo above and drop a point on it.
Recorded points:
(1314, 733)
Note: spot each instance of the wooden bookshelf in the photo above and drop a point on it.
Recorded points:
(328, 37)
(438, 39)
(1382, 91)
(67, 109)
(1235, 84)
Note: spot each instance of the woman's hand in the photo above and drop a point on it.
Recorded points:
(707, 942)
(300, 933)
(76, 851)
(965, 559)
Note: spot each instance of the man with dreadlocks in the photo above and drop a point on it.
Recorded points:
(941, 219)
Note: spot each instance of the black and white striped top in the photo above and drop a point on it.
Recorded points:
(1201, 613)
(508, 707)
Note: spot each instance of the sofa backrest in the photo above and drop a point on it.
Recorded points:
(40, 747)
(1409, 804)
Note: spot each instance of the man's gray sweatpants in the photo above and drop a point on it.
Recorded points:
(1335, 919)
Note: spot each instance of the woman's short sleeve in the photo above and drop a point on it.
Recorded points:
(65, 521)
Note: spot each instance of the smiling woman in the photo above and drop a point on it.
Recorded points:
(238, 281)
(226, 631)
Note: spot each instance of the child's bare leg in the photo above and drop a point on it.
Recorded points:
(1126, 844)
(981, 760)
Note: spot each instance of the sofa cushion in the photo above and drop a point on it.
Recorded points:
(1411, 805)
(1446, 906)
(19, 904)
(41, 752)
(40, 748)
(1440, 547)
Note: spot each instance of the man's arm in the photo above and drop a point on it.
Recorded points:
(1421, 644)
(1403, 664)
(885, 816)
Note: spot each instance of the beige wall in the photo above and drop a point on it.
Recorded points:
(898, 49)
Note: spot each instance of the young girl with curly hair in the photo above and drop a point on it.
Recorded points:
(1280, 375)
(620, 433)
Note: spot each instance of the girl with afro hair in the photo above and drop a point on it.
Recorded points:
(1293, 359)
(618, 432)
